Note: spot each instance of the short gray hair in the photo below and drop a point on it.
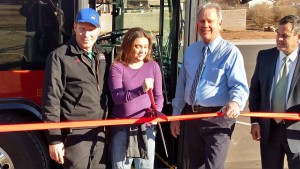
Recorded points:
(211, 5)
(294, 20)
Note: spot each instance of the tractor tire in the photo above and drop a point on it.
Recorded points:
(22, 150)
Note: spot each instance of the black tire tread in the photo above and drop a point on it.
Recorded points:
(34, 137)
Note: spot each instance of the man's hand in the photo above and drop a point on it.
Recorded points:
(255, 132)
(175, 128)
(232, 110)
(57, 152)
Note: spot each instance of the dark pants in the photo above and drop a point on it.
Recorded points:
(207, 142)
(272, 154)
(85, 149)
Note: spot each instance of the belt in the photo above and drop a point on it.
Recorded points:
(198, 108)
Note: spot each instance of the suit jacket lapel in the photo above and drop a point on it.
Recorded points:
(295, 76)
(272, 67)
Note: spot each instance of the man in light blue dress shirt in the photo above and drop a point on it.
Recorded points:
(222, 87)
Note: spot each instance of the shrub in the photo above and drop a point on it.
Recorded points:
(281, 11)
(286, 2)
(262, 14)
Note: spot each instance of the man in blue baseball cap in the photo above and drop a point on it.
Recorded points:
(87, 28)
(88, 15)
(75, 88)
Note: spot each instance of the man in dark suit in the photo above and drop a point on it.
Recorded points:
(275, 87)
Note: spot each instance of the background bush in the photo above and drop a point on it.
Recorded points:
(265, 15)
(281, 11)
(262, 14)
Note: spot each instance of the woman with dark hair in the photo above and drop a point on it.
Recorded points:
(131, 75)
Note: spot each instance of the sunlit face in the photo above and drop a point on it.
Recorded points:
(286, 40)
(209, 25)
(140, 49)
(86, 35)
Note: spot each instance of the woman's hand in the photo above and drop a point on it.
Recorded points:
(148, 84)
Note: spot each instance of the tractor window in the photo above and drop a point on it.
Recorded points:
(29, 31)
(12, 35)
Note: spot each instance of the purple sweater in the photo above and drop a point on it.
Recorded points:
(126, 89)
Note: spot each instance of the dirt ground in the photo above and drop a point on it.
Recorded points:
(248, 34)
(253, 31)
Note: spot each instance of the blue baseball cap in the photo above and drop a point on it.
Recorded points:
(88, 15)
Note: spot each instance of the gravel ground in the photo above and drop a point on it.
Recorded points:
(248, 34)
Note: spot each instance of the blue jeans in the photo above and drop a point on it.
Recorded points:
(119, 147)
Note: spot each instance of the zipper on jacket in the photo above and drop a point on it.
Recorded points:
(96, 73)
(96, 70)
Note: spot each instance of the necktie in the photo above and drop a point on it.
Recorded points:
(198, 75)
(279, 99)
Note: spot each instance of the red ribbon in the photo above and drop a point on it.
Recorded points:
(286, 116)
(110, 122)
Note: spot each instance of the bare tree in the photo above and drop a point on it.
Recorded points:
(262, 14)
